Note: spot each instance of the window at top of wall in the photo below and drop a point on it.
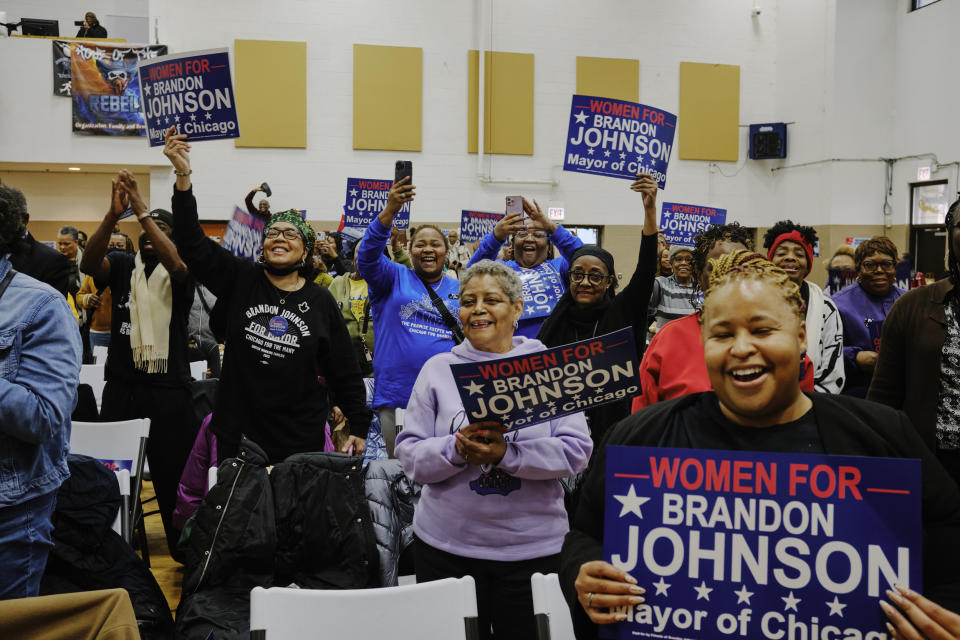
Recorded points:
(920, 4)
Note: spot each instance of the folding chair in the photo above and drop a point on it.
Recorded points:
(550, 608)
(100, 355)
(122, 447)
(92, 374)
(122, 523)
(398, 613)
(198, 369)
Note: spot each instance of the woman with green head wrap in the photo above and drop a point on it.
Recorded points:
(287, 350)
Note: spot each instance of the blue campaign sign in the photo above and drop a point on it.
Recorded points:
(244, 235)
(526, 390)
(760, 545)
(620, 139)
(191, 90)
(366, 198)
(681, 222)
(476, 224)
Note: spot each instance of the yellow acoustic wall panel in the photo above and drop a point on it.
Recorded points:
(709, 114)
(387, 98)
(508, 102)
(617, 78)
(277, 116)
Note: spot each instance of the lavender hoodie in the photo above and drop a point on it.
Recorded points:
(515, 510)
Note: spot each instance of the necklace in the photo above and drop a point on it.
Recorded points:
(283, 295)
(576, 332)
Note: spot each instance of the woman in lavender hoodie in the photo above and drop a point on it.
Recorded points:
(492, 503)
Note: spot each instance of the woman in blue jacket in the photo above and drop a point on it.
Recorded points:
(414, 311)
(40, 356)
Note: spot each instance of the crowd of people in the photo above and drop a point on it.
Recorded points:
(737, 349)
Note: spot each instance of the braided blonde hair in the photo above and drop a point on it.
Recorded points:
(744, 265)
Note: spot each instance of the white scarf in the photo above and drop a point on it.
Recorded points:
(814, 323)
(151, 305)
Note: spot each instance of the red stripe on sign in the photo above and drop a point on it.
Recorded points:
(217, 66)
(630, 475)
(617, 345)
(905, 492)
(473, 376)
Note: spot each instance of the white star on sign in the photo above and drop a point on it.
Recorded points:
(623, 156)
(503, 418)
(639, 158)
(703, 591)
(631, 503)
(835, 607)
(474, 388)
(167, 120)
(147, 89)
(790, 602)
(176, 118)
(743, 595)
(590, 151)
(551, 404)
(581, 117)
(529, 409)
(661, 587)
(193, 117)
(208, 115)
(606, 154)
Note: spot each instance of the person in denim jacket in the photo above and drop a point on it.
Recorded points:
(40, 356)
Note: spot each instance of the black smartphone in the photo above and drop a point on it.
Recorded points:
(403, 170)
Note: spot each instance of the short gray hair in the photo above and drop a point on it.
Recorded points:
(508, 280)
(70, 231)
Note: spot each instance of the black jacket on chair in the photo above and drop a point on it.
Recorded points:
(847, 426)
(44, 263)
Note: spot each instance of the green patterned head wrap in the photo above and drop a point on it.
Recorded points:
(293, 217)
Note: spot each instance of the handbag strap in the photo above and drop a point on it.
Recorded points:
(448, 318)
(6, 280)
(366, 316)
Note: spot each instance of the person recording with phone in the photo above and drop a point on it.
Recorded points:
(530, 233)
(262, 210)
(414, 311)
(91, 27)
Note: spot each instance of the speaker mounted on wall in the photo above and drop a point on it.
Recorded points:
(768, 141)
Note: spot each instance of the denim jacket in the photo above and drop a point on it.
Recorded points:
(40, 357)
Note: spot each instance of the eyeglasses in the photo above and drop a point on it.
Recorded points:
(882, 265)
(594, 278)
(683, 260)
(289, 234)
(535, 234)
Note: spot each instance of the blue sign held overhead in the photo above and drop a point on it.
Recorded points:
(244, 235)
(745, 544)
(616, 138)
(192, 91)
(366, 198)
(476, 224)
(681, 222)
(526, 390)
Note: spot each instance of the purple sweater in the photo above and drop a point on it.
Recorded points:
(513, 512)
(862, 315)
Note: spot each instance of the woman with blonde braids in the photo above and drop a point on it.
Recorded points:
(753, 336)
(673, 365)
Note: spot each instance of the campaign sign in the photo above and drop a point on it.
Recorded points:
(526, 390)
(244, 235)
(366, 198)
(476, 224)
(745, 544)
(117, 465)
(191, 90)
(681, 222)
(616, 138)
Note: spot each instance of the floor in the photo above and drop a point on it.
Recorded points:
(166, 570)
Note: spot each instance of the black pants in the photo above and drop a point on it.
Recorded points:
(173, 428)
(504, 599)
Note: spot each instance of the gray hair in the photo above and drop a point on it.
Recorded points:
(508, 280)
(70, 231)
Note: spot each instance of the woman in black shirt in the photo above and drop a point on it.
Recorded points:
(286, 345)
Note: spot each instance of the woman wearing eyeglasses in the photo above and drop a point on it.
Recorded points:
(544, 280)
(863, 308)
(284, 333)
(590, 307)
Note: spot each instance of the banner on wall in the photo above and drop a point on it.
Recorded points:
(476, 224)
(681, 222)
(366, 198)
(620, 139)
(105, 89)
(192, 91)
(243, 235)
(745, 544)
(61, 61)
(526, 390)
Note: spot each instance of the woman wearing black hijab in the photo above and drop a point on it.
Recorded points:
(590, 308)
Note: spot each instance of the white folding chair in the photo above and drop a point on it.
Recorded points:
(280, 613)
(122, 523)
(100, 354)
(122, 446)
(211, 477)
(92, 374)
(550, 608)
(198, 369)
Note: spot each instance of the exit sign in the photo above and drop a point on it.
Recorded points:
(923, 174)
(555, 213)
